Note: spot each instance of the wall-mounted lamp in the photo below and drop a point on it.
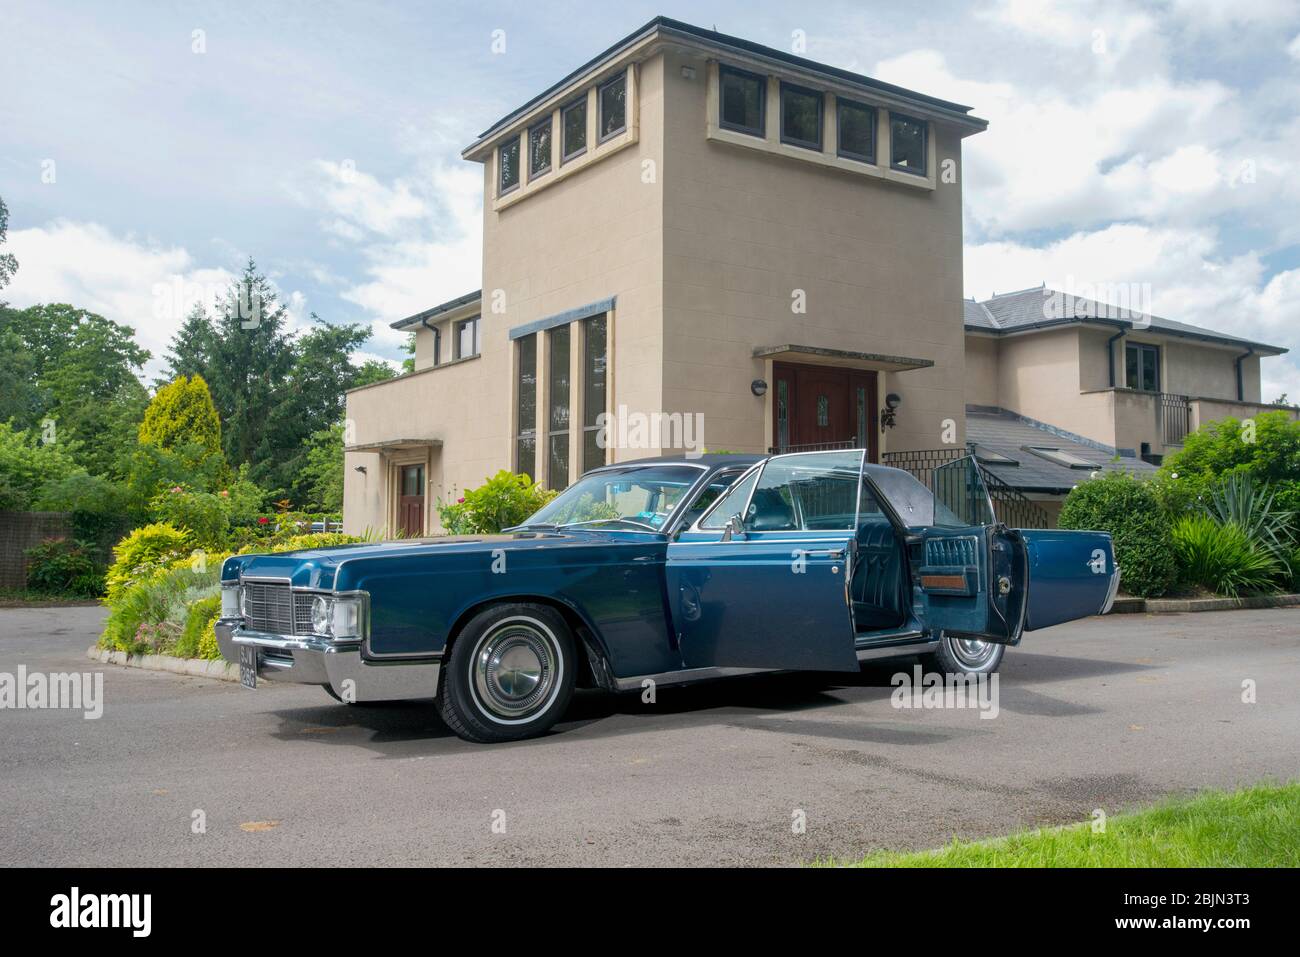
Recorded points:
(361, 469)
(758, 387)
(889, 413)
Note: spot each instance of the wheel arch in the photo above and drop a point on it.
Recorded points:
(593, 663)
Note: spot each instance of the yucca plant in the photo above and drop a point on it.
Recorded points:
(1222, 557)
(1237, 500)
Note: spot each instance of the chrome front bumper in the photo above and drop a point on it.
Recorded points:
(337, 665)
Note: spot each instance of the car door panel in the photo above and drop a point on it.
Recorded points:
(970, 581)
(1071, 575)
(770, 600)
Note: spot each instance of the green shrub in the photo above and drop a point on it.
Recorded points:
(206, 516)
(1237, 500)
(199, 616)
(1266, 447)
(1222, 557)
(208, 648)
(504, 500)
(137, 610)
(142, 552)
(63, 567)
(151, 613)
(1129, 510)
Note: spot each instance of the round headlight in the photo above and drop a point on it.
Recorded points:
(321, 615)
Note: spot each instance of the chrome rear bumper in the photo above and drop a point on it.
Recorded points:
(337, 665)
(1111, 592)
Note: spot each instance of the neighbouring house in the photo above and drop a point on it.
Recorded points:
(1058, 385)
(690, 241)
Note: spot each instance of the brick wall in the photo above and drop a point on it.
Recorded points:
(19, 531)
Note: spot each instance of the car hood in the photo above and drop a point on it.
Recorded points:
(317, 567)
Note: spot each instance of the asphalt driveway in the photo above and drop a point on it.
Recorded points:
(1104, 713)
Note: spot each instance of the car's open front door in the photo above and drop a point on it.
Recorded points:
(763, 581)
(969, 573)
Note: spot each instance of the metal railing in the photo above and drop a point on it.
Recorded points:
(814, 447)
(1011, 506)
(1175, 413)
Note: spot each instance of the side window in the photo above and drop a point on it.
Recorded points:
(721, 482)
(731, 503)
(816, 492)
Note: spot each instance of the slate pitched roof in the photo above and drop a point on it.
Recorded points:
(1043, 307)
(1008, 434)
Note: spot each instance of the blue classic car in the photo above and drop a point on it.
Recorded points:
(667, 570)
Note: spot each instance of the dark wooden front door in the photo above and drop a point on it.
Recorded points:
(824, 406)
(410, 503)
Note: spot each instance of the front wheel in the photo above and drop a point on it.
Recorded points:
(964, 656)
(510, 674)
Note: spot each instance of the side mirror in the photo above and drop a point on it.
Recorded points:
(735, 528)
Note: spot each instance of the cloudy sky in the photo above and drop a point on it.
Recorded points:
(146, 152)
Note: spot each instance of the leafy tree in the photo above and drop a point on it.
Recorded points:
(408, 365)
(8, 264)
(191, 348)
(322, 476)
(182, 413)
(79, 370)
(250, 357)
(372, 371)
(27, 465)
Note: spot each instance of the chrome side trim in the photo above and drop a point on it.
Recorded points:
(897, 651)
(686, 676)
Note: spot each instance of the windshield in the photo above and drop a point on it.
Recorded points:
(641, 497)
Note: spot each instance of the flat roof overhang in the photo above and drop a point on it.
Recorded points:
(817, 355)
(394, 445)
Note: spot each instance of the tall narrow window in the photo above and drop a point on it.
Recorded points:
(573, 127)
(857, 131)
(557, 415)
(907, 147)
(1142, 367)
(467, 338)
(595, 361)
(539, 149)
(437, 345)
(526, 409)
(508, 165)
(801, 116)
(742, 101)
(612, 97)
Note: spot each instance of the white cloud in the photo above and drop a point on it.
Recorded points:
(1189, 277)
(1293, 47)
(411, 262)
(143, 284)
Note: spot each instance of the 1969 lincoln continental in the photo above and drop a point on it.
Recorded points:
(671, 570)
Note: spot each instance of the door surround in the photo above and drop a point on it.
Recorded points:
(822, 407)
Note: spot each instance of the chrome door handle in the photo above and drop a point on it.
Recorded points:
(825, 553)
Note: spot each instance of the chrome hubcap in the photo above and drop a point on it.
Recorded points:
(515, 670)
(972, 652)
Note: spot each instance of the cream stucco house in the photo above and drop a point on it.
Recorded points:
(693, 241)
(710, 242)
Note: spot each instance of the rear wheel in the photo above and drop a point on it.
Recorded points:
(965, 656)
(510, 674)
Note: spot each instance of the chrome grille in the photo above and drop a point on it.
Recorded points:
(276, 609)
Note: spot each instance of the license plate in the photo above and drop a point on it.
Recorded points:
(248, 666)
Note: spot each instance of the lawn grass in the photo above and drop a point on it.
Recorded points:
(1255, 827)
